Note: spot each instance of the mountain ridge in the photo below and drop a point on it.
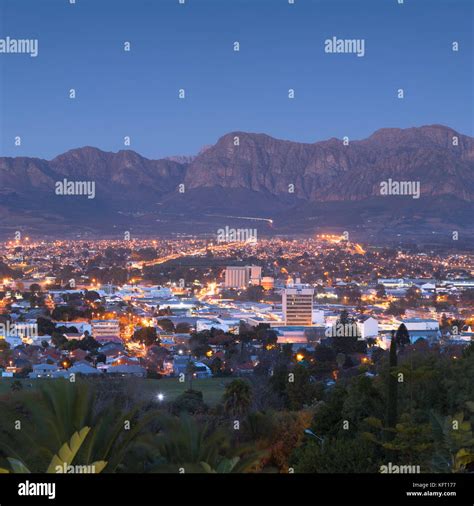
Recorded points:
(242, 168)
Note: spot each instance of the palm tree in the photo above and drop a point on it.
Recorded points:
(16, 386)
(185, 444)
(453, 445)
(237, 397)
(61, 408)
(62, 459)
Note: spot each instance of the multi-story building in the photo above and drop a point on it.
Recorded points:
(237, 277)
(105, 329)
(297, 304)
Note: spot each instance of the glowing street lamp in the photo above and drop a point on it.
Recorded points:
(309, 432)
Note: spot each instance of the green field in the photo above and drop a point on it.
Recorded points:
(211, 388)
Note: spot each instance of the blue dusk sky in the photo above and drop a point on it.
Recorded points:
(190, 46)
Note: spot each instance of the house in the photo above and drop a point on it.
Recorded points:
(43, 371)
(109, 348)
(180, 364)
(51, 354)
(127, 370)
(122, 360)
(244, 369)
(38, 340)
(83, 368)
(78, 354)
(201, 370)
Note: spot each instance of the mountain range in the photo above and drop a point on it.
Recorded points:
(252, 180)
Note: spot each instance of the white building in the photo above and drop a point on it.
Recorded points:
(237, 277)
(368, 327)
(297, 304)
(43, 371)
(105, 328)
(209, 324)
(318, 316)
(420, 324)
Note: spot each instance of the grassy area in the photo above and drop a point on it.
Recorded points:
(6, 383)
(211, 388)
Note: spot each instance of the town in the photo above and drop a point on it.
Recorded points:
(94, 308)
(286, 341)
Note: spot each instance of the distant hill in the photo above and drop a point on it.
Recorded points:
(301, 186)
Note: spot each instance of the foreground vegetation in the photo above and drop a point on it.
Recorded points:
(416, 408)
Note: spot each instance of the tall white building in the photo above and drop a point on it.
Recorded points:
(297, 303)
(237, 277)
(241, 276)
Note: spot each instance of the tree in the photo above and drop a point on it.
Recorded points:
(345, 338)
(63, 458)
(253, 293)
(91, 295)
(411, 442)
(216, 366)
(45, 326)
(182, 328)
(396, 308)
(146, 336)
(336, 455)
(412, 294)
(88, 343)
(190, 402)
(61, 408)
(392, 397)
(166, 324)
(300, 392)
(454, 443)
(324, 354)
(402, 336)
(184, 443)
(16, 386)
(35, 288)
(381, 293)
(58, 340)
(237, 397)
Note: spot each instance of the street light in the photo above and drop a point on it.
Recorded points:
(309, 432)
(160, 397)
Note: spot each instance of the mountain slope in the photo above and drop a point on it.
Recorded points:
(299, 185)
